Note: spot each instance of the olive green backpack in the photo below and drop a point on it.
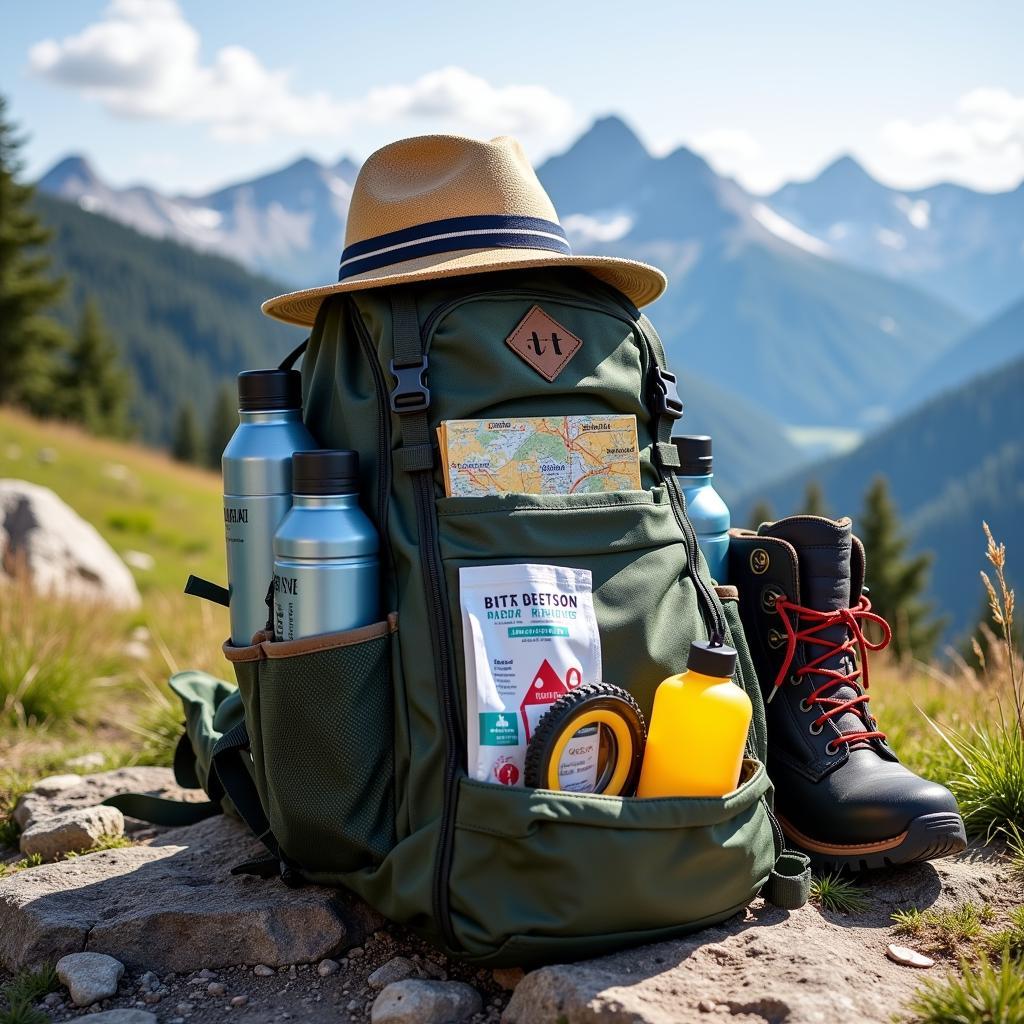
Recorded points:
(351, 759)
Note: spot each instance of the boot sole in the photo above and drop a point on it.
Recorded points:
(928, 837)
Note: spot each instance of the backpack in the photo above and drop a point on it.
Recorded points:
(351, 760)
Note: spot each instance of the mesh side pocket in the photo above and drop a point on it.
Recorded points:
(326, 721)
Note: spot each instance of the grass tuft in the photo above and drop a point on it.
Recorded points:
(833, 892)
(22, 991)
(986, 994)
(945, 930)
(103, 843)
(1008, 940)
(33, 860)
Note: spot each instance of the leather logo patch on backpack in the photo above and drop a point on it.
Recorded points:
(543, 343)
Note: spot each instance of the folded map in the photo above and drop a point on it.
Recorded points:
(540, 455)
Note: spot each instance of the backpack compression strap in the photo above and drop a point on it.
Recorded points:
(789, 884)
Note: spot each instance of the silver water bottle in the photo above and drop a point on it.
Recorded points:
(326, 569)
(257, 466)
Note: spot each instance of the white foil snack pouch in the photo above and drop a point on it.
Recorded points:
(530, 636)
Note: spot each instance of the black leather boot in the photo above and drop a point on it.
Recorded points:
(841, 793)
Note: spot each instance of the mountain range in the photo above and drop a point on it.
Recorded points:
(757, 306)
(947, 239)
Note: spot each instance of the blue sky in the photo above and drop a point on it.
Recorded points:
(187, 95)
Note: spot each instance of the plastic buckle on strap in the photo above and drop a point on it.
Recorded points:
(667, 394)
(410, 393)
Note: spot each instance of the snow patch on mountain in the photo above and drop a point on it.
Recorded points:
(604, 226)
(787, 230)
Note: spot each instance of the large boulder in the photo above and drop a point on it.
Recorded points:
(173, 905)
(63, 554)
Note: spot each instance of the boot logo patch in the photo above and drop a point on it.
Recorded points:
(543, 343)
(759, 561)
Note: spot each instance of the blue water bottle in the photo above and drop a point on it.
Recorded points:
(704, 505)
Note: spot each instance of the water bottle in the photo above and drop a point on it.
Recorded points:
(708, 513)
(326, 569)
(257, 467)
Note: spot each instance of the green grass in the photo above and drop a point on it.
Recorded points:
(33, 860)
(22, 991)
(138, 499)
(986, 994)
(833, 892)
(103, 843)
(1010, 939)
(945, 930)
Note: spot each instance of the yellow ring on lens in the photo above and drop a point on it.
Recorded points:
(623, 738)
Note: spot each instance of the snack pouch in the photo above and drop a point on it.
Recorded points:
(530, 637)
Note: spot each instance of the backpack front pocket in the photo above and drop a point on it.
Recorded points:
(538, 875)
(644, 598)
(320, 716)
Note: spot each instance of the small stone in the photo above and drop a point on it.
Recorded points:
(89, 977)
(353, 1005)
(239, 1000)
(52, 785)
(507, 977)
(149, 982)
(71, 831)
(124, 1017)
(355, 952)
(52, 999)
(908, 957)
(88, 761)
(293, 972)
(416, 1001)
(394, 970)
(216, 988)
(263, 971)
(327, 967)
(184, 1008)
(152, 998)
(706, 1006)
(206, 974)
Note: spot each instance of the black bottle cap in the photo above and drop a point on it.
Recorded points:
(694, 454)
(268, 390)
(326, 471)
(710, 659)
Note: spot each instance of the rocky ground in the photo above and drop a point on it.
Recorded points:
(195, 944)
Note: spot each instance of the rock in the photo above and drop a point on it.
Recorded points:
(123, 1017)
(216, 988)
(239, 1000)
(174, 905)
(416, 1001)
(327, 967)
(395, 969)
(706, 1006)
(184, 1008)
(87, 761)
(356, 952)
(768, 964)
(149, 982)
(263, 971)
(141, 560)
(908, 957)
(62, 553)
(63, 792)
(71, 831)
(507, 977)
(89, 977)
(52, 999)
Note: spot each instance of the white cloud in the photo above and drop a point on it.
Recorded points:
(981, 141)
(142, 59)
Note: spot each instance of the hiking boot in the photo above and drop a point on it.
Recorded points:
(841, 794)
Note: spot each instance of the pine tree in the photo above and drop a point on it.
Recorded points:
(188, 440)
(30, 343)
(95, 388)
(897, 580)
(761, 513)
(814, 500)
(223, 421)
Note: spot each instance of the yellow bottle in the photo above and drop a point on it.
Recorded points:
(698, 728)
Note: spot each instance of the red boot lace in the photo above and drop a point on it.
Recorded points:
(819, 621)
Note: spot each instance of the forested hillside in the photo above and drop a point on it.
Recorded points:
(955, 461)
(185, 321)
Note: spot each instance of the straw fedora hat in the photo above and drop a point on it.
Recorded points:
(443, 206)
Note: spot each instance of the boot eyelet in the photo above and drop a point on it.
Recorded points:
(831, 749)
(769, 595)
(815, 728)
(795, 680)
(805, 707)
